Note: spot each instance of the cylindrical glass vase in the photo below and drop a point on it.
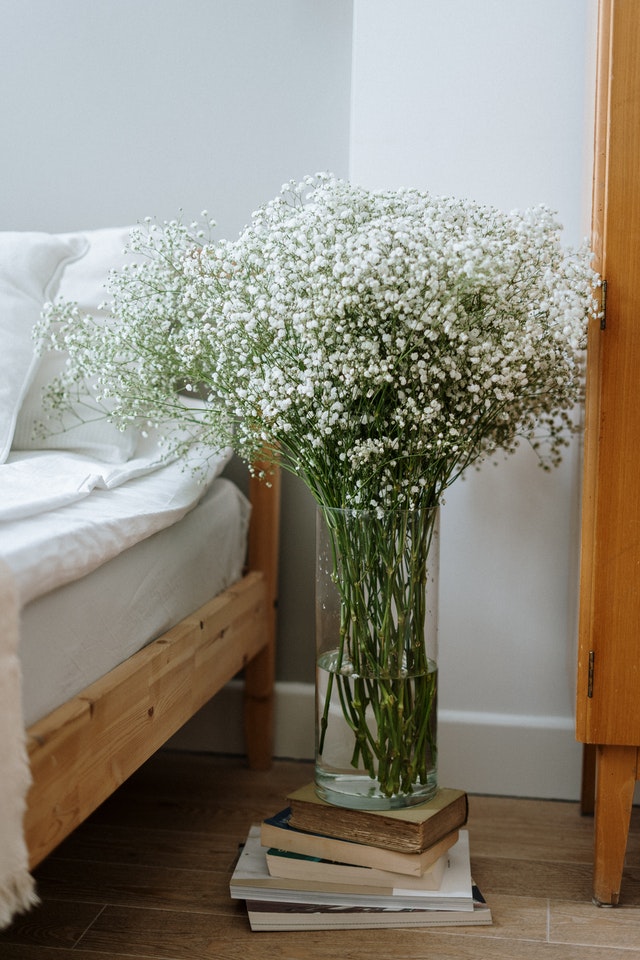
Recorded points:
(376, 664)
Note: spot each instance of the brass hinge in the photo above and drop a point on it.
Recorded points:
(590, 678)
(603, 306)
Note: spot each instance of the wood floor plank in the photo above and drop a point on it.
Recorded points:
(168, 934)
(55, 923)
(159, 888)
(147, 876)
(175, 936)
(204, 799)
(545, 878)
(222, 781)
(193, 815)
(516, 918)
(530, 830)
(174, 849)
(580, 923)
(23, 951)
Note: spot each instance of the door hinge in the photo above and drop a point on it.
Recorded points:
(590, 677)
(603, 306)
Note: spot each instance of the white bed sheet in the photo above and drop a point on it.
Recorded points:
(62, 515)
(75, 634)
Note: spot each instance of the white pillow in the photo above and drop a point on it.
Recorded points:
(30, 268)
(84, 282)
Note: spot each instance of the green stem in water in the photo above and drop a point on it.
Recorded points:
(383, 678)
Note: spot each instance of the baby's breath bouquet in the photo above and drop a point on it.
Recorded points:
(377, 344)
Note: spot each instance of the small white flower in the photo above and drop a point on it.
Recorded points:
(382, 342)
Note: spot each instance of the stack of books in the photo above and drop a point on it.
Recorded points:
(317, 866)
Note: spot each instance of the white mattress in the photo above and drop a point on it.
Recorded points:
(74, 634)
(63, 514)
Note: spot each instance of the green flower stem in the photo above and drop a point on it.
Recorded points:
(384, 680)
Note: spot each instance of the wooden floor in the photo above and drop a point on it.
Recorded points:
(147, 876)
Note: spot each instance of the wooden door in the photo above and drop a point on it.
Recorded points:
(608, 686)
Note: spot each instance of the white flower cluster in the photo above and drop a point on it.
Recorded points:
(381, 342)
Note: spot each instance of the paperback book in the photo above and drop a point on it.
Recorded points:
(280, 915)
(407, 829)
(296, 866)
(277, 832)
(251, 880)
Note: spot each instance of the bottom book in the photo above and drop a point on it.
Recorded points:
(279, 915)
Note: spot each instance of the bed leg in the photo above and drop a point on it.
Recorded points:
(259, 675)
(259, 708)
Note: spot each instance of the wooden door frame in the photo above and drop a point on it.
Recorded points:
(608, 685)
(610, 549)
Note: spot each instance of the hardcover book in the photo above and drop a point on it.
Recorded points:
(277, 832)
(407, 829)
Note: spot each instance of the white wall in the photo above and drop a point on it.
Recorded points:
(493, 100)
(112, 110)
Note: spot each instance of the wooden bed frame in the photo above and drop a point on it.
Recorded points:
(82, 751)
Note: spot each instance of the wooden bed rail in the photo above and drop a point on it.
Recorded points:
(82, 751)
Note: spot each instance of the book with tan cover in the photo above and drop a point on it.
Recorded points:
(277, 832)
(406, 829)
(299, 866)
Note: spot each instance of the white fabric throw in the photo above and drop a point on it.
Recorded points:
(17, 888)
(62, 515)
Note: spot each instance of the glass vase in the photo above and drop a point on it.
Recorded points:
(376, 664)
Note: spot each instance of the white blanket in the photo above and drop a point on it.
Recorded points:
(32, 482)
(62, 515)
(17, 891)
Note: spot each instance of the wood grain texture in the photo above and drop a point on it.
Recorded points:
(147, 875)
(617, 773)
(81, 752)
(84, 750)
(259, 674)
(608, 682)
(610, 567)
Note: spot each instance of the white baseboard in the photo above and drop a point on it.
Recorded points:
(510, 755)
(505, 755)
